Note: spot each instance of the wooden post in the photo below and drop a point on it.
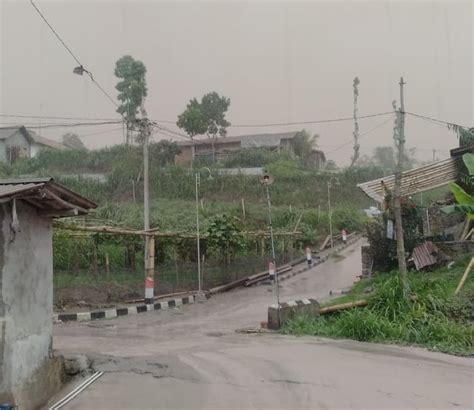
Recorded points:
(243, 208)
(107, 266)
(262, 245)
(464, 276)
(133, 192)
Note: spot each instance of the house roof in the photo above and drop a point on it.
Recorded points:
(416, 180)
(40, 140)
(31, 136)
(247, 141)
(47, 196)
(7, 132)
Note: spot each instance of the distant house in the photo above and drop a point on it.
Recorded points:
(229, 145)
(19, 142)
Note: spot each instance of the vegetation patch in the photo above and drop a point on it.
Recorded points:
(432, 316)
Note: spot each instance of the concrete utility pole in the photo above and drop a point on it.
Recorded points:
(149, 240)
(400, 142)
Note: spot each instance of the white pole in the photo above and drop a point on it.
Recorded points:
(330, 212)
(149, 279)
(197, 233)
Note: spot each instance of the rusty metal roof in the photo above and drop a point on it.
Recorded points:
(47, 196)
(425, 255)
(416, 180)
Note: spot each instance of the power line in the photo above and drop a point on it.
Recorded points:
(309, 122)
(100, 132)
(293, 123)
(45, 117)
(436, 120)
(363, 134)
(73, 55)
(55, 33)
(69, 125)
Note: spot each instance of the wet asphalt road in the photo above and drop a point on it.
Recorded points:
(193, 358)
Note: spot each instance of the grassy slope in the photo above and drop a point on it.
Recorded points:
(433, 317)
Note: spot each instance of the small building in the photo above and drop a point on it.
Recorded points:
(226, 146)
(18, 142)
(27, 210)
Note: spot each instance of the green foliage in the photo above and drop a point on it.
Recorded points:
(384, 249)
(464, 200)
(214, 108)
(192, 119)
(468, 160)
(132, 87)
(432, 316)
(224, 235)
(73, 141)
(304, 144)
(258, 157)
(466, 137)
(206, 116)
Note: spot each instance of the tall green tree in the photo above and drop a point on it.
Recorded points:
(73, 141)
(131, 87)
(206, 117)
(192, 120)
(214, 107)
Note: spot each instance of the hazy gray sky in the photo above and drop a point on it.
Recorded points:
(278, 62)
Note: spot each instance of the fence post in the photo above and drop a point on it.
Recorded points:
(107, 265)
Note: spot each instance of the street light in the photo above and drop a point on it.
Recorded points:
(329, 207)
(266, 181)
(198, 244)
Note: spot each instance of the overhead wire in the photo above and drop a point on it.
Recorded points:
(363, 134)
(46, 117)
(436, 120)
(73, 55)
(68, 125)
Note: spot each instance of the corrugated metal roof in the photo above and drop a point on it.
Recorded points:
(49, 197)
(416, 180)
(9, 190)
(247, 140)
(425, 255)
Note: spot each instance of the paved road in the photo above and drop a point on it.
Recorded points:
(192, 358)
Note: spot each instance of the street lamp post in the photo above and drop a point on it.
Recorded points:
(267, 180)
(330, 210)
(198, 236)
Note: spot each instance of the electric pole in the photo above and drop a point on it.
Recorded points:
(149, 239)
(400, 142)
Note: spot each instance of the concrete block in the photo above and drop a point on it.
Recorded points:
(278, 316)
(81, 316)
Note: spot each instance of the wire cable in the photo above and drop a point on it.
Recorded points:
(436, 120)
(45, 117)
(73, 55)
(81, 124)
(362, 135)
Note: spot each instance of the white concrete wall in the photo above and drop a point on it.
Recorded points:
(34, 150)
(16, 140)
(26, 296)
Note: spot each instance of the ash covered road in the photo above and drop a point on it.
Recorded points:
(192, 358)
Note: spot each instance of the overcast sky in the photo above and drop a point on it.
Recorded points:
(284, 61)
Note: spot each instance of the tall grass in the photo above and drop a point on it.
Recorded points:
(431, 316)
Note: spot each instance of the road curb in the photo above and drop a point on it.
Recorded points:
(122, 311)
(318, 261)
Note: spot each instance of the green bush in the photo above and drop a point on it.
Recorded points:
(428, 316)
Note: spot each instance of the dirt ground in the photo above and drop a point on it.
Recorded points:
(85, 297)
